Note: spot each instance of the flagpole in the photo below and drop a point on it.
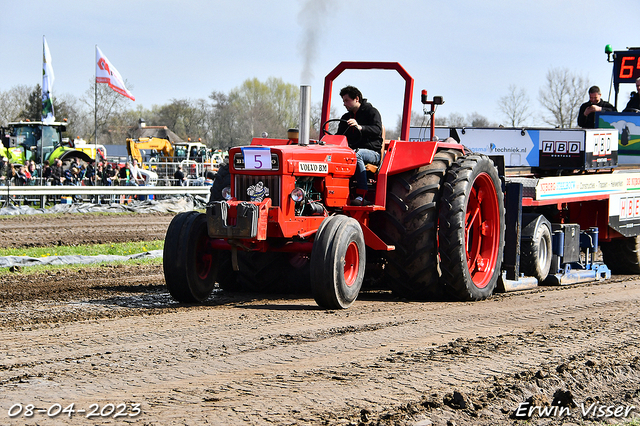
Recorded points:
(95, 115)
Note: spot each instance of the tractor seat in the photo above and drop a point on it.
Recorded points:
(373, 168)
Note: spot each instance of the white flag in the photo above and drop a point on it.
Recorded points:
(47, 84)
(106, 73)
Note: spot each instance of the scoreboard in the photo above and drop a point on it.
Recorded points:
(626, 66)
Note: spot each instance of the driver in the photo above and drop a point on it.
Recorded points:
(634, 102)
(363, 127)
(587, 113)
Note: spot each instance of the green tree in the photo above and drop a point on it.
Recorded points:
(270, 107)
(33, 106)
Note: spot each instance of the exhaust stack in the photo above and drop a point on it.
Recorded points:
(305, 115)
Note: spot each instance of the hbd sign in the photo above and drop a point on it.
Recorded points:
(602, 143)
(629, 208)
(564, 148)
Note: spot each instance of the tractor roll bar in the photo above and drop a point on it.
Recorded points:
(349, 65)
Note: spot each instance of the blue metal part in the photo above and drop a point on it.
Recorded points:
(565, 273)
(523, 283)
(593, 272)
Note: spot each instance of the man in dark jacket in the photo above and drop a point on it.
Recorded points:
(180, 178)
(587, 114)
(4, 170)
(634, 103)
(57, 174)
(363, 127)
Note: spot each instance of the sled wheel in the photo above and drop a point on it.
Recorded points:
(471, 234)
(622, 255)
(410, 224)
(338, 260)
(536, 251)
(195, 261)
(174, 273)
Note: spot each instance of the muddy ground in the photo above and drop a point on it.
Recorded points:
(112, 335)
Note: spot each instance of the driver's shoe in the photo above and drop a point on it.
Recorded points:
(359, 201)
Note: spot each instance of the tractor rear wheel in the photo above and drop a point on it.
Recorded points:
(622, 255)
(196, 262)
(410, 224)
(472, 227)
(338, 260)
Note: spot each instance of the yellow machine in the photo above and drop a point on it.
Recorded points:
(160, 145)
(180, 151)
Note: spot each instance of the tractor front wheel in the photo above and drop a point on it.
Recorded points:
(472, 227)
(192, 272)
(174, 273)
(338, 260)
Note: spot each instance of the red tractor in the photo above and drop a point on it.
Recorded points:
(436, 219)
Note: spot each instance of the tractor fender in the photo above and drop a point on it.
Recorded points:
(63, 153)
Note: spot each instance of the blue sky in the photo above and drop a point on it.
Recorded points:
(467, 51)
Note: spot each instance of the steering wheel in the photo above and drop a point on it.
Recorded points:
(334, 120)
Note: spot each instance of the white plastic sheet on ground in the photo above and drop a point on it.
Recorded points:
(9, 261)
(170, 205)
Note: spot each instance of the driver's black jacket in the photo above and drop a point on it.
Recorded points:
(589, 121)
(634, 103)
(369, 118)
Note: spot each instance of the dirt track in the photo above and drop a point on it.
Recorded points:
(75, 229)
(112, 335)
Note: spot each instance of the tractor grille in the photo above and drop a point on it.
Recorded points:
(243, 182)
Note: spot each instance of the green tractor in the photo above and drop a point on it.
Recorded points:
(33, 140)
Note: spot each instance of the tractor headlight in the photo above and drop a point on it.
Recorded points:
(297, 195)
(226, 192)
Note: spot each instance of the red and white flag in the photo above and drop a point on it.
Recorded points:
(106, 73)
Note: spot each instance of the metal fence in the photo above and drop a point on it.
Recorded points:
(46, 194)
(38, 190)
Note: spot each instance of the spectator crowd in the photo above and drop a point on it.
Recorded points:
(77, 173)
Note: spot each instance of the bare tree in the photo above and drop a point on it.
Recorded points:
(515, 106)
(109, 104)
(187, 118)
(561, 96)
(456, 120)
(478, 120)
(418, 119)
(441, 120)
(12, 102)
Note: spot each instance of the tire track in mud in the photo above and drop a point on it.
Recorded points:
(225, 357)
